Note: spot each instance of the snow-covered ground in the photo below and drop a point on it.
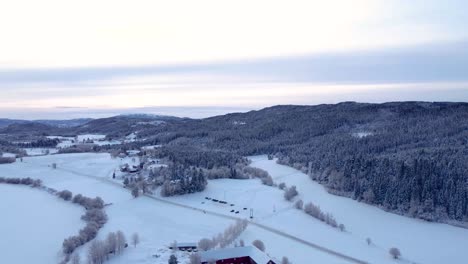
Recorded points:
(33, 224)
(151, 147)
(160, 223)
(40, 151)
(157, 223)
(419, 241)
(85, 137)
(362, 134)
(8, 155)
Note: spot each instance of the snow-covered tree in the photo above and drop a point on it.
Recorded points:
(205, 244)
(342, 227)
(173, 260)
(241, 243)
(290, 193)
(121, 241)
(111, 242)
(299, 204)
(97, 252)
(75, 259)
(135, 191)
(195, 258)
(394, 252)
(135, 239)
(259, 244)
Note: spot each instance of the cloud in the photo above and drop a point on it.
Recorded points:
(55, 33)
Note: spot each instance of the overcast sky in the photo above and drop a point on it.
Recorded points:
(63, 59)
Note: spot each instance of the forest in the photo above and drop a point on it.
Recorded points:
(410, 157)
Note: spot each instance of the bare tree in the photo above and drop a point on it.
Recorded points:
(195, 259)
(282, 186)
(75, 259)
(135, 192)
(135, 239)
(65, 194)
(97, 252)
(395, 252)
(259, 244)
(342, 227)
(368, 241)
(290, 193)
(205, 244)
(299, 204)
(112, 242)
(121, 241)
(285, 260)
(242, 243)
(174, 246)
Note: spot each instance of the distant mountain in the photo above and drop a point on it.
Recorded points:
(28, 128)
(56, 123)
(6, 122)
(150, 116)
(65, 123)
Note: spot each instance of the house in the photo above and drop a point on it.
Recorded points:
(236, 255)
(185, 246)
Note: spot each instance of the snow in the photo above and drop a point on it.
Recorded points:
(150, 147)
(8, 155)
(65, 144)
(419, 241)
(131, 138)
(40, 151)
(362, 134)
(236, 252)
(30, 231)
(85, 137)
(159, 223)
(60, 137)
(107, 142)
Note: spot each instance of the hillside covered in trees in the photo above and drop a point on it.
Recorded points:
(409, 157)
(406, 157)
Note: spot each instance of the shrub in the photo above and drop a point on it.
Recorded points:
(395, 253)
(259, 244)
(290, 193)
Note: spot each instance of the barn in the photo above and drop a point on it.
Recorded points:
(236, 255)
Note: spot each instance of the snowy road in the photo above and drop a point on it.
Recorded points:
(264, 227)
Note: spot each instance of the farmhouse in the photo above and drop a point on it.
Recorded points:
(185, 246)
(236, 255)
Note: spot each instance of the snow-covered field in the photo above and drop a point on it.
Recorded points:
(157, 223)
(419, 241)
(33, 225)
(40, 151)
(8, 155)
(160, 223)
(85, 137)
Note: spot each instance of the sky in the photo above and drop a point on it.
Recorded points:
(67, 59)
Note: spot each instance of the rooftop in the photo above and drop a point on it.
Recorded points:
(236, 252)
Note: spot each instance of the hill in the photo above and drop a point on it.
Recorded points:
(407, 157)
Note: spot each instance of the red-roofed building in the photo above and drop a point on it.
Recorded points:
(237, 255)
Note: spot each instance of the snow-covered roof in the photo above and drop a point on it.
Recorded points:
(186, 244)
(237, 252)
